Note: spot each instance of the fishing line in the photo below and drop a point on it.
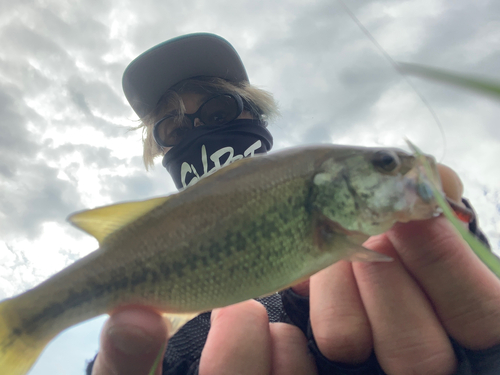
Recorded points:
(397, 67)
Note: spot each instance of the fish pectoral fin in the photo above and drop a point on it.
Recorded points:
(331, 236)
(362, 254)
(177, 321)
(102, 221)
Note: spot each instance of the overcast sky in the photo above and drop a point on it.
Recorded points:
(64, 139)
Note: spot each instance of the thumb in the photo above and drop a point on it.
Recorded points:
(130, 342)
(452, 185)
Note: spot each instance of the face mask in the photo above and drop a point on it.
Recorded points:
(209, 148)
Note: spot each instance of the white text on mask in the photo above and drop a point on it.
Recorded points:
(216, 159)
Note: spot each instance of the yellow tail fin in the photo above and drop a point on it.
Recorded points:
(18, 350)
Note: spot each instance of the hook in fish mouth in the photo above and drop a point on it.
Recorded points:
(423, 190)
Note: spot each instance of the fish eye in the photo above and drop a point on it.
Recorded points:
(386, 161)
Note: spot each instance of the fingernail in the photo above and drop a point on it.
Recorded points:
(130, 339)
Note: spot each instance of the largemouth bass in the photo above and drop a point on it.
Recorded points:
(253, 228)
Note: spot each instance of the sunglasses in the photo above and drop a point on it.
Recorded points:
(216, 111)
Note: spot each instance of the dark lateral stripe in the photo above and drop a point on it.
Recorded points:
(266, 226)
(93, 291)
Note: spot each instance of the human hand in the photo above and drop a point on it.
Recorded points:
(406, 310)
(240, 341)
(130, 342)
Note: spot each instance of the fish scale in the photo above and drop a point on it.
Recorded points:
(237, 250)
(253, 228)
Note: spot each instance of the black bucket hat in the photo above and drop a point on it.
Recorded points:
(151, 74)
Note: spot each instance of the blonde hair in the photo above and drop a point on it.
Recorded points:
(260, 102)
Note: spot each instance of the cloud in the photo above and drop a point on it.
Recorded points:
(64, 121)
(15, 139)
(93, 95)
(41, 197)
(65, 118)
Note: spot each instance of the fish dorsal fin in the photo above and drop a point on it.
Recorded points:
(102, 221)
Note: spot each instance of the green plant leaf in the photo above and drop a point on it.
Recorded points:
(482, 85)
(157, 360)
(488, 258)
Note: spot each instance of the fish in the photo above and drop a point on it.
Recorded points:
(257, 226)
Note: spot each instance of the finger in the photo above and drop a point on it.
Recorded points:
(239, 341)
(452, 185)
(130, 342)
(302, 289)
(290, 354)
(465, 294)
(406, 332)
(338, 319)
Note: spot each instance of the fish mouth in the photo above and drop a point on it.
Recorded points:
(420, 200)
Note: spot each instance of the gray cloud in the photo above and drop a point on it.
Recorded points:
(62, 110)
(100, 157)
(79, 100)
(139, 184)
(325, 73)
(39, 196)
(16, 142)
(19, 39)
(23, 76)
(91, 95)
(127, 188)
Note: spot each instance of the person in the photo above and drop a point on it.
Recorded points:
(433, 310)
